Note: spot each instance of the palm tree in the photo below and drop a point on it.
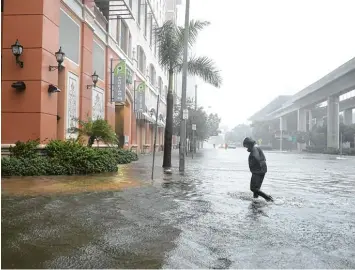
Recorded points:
(170, 42)
(95, 130)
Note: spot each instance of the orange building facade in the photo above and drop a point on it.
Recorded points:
(92, 42)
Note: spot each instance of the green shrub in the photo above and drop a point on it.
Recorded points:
(24, 149)
(124, 156)
(63, 158)
(24, 166)
(80, 159)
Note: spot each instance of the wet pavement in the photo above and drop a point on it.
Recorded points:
(205, 219)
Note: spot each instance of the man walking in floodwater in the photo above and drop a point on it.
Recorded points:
(258, 168)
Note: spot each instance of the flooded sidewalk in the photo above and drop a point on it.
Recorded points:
(204, 219)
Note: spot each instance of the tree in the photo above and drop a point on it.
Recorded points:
(95, 130)
(261, 130)
(207, 125)
(238, 134)
(213, 122)
(319, 134)
(170, 43)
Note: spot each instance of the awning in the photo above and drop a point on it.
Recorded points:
(114, 9)
(143, 116)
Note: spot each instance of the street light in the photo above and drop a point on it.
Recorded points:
(95, 79)
(59, 55)
(17, 50)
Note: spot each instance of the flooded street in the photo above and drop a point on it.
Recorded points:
(205, 219)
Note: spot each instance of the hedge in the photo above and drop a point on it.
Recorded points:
(62, 158)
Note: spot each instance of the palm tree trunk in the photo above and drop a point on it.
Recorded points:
(91, 141)
(168, 139)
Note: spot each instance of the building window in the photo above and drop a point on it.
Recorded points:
(141, 59)
(130, 4)
(145, 18)
(152, 75)
(124, 37)
(151, 32)
(69, 37)
(160, 85)
(118, 31)
(139, 11)
(129, 45)
(98, 63)
(155, 45)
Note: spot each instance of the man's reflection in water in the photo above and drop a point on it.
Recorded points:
(256, 209)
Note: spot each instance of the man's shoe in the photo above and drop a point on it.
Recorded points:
(270, 199)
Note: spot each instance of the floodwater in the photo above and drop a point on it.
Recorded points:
(204, 219)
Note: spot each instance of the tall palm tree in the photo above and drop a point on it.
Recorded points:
(170, 42)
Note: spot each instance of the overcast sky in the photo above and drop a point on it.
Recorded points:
(267, 48)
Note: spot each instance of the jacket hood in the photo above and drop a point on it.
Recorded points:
(248, 143)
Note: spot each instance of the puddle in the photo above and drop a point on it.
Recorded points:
(42, 185)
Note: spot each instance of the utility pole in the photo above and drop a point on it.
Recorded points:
(182, 149)
(195, 139)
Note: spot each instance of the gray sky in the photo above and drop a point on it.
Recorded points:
(267, 48)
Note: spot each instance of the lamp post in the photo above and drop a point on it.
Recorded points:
(182, 149)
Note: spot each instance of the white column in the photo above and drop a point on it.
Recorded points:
(301, 126)
(283, 127)
(310, 122)
(333, 122)
(348, 117)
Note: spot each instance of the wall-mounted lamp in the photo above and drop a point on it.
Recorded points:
(17, 50)
(53, 89)
(19, 86)
(95, 78)
(152, 112)
(59, 55)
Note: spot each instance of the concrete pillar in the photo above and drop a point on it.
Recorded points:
(283, 127)
(348, 117)
(333, 122)
(310, 120)
(283, 123)
(301, 125)
(320, 121)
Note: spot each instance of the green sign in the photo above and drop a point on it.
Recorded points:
(119, 82)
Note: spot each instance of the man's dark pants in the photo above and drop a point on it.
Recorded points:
(255, 185)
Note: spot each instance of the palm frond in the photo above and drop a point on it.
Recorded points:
(167, 41)
(204, 68)
(194, 28)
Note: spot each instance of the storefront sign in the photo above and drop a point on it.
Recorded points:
(140, 96)
(119, 82)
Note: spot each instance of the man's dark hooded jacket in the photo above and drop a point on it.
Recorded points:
(257, 160)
